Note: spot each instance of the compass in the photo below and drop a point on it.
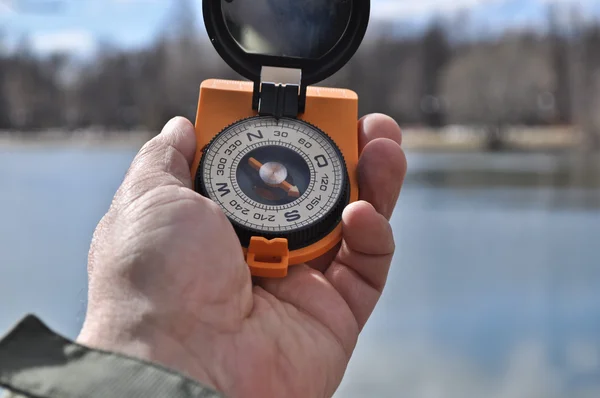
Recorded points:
(277, 154)
(276, 179)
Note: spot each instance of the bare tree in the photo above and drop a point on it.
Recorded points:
(4, 117)
(560, 61)
(435, 53)
(584, 82)
(434, 78)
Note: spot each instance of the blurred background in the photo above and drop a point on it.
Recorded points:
(495, 288)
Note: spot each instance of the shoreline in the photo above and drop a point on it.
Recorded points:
(76, 140)
(451, 139)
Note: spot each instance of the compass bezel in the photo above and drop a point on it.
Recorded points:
(297, 238)
(314, 71)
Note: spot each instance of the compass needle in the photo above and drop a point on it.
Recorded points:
(292, 191)
(255, 164)
(271, 173)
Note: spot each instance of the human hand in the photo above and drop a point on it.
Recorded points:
(168, 281)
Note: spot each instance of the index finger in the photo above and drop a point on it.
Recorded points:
(382, 165)
(375, 126)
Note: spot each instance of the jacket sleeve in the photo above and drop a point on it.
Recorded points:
(36, 362)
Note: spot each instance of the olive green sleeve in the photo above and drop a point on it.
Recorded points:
(36, 362)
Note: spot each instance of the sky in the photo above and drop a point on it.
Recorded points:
(78, 25)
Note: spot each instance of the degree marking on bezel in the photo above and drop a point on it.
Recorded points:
(324, 144)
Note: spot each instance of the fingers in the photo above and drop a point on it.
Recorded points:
(164, 160)
(376, 125)
(381, 172)
(360, 270)
(382, 166)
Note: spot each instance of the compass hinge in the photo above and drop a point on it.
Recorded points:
(279, 93)
(278, 101)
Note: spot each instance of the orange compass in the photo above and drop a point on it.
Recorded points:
(277, 154)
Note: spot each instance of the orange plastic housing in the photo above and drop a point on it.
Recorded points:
(335, 111)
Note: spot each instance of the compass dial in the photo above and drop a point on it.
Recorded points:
(276, 179)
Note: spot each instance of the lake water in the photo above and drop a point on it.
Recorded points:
(494, 291)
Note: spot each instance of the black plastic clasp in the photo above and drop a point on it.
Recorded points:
(279, 100)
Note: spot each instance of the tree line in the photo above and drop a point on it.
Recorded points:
(433, 79)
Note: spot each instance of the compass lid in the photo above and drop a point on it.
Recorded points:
(317, 37)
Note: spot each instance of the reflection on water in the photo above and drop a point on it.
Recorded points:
(533, 171)
(494, 292)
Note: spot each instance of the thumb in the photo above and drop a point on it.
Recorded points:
(164, 160)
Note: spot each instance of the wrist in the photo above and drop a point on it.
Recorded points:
(139, 339)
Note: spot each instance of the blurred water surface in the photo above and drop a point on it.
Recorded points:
(494, 291)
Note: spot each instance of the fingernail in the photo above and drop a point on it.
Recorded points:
(367, 123)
